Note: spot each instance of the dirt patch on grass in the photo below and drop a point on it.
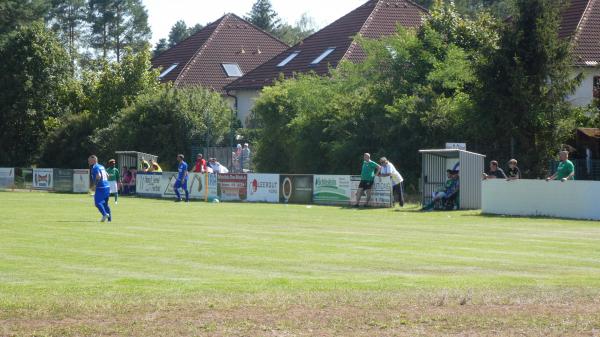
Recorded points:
(314, 314)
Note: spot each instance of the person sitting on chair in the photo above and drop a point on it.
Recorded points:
(447, 193)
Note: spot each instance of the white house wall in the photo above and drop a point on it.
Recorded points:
(584, 93)
(246, 101)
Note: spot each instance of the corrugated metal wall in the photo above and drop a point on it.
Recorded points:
(433, 175)
(471, 169)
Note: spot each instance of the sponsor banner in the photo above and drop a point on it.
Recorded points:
(149, 184)
(233, 186)
(63, 180)
(381, 196)
(81, 181)
(263, 187)
(43, 179)
(7, 177)
(197, 185)
(331, 189)
(296, 189)
(167, 184)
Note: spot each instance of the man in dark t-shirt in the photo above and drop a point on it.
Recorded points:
(494, 172)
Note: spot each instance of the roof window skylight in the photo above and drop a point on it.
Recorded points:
(168, 70)
(288, 59)
(323, 56)
(232, 70)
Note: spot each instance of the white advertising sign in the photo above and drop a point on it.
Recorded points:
(81, 181)
(331, 189)
(456, 146)
(197, 185)
(7, 177)
(43, 179)
(263, 187)
(167, 184)
(149, 184)
(381, 196)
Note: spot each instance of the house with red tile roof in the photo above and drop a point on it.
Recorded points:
(581, 23)
(327, 47)
(218, 54)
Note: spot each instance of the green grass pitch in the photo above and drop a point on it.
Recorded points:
(289, 270)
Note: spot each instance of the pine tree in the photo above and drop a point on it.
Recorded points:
(67, 18)
(264, 16)
(117, 24)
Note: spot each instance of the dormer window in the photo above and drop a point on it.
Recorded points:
(167, 71)
(288, 59)
(232, 70)
(323, 56)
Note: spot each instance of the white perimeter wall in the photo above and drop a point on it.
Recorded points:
(246, 100)
(570, 199)
(584, 93)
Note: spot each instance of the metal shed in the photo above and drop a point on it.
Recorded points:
(133, 158)
(433, 174)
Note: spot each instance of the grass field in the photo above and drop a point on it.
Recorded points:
(198, 269)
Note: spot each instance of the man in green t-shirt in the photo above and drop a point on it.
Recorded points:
(367, 177)
(566, 169)
(114, 178)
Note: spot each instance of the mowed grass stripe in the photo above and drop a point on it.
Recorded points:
(52, 242)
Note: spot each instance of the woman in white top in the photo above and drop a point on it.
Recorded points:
(389, 170)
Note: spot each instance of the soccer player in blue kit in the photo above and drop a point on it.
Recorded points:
(100, 179)
(182, 178)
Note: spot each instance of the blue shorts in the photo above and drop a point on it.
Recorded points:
(101, 194)
(181, 184)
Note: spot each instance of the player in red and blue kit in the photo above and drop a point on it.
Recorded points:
(100, 179)
(182, 179)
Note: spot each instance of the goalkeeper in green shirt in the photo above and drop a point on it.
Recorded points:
(114, 178)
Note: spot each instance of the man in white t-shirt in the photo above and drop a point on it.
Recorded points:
(389, 170)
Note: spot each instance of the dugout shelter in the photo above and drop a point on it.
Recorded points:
(133, 159)
(433, 174)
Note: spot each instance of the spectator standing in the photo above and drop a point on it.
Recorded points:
(245, 158)
(566, 169)
(114, 178)
(200, 166)
(389, 170)
(367, 178)
(513, 172)
(494, 172)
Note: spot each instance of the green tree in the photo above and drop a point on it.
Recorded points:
(67, 18)
(412, 91)
(524, 86)
(293, 34)
(116, 25)
(35, 80)
(264, 16)
(178, 32)
(167, 122)
(104, 93)
(161, 46)
(15, 13)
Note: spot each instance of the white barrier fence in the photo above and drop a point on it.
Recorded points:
(252, 187)
(570, 199)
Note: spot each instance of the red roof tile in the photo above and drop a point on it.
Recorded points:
(581, 23)
(374, 19)
(200, 57)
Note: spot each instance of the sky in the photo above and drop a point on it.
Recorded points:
(164, 13)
